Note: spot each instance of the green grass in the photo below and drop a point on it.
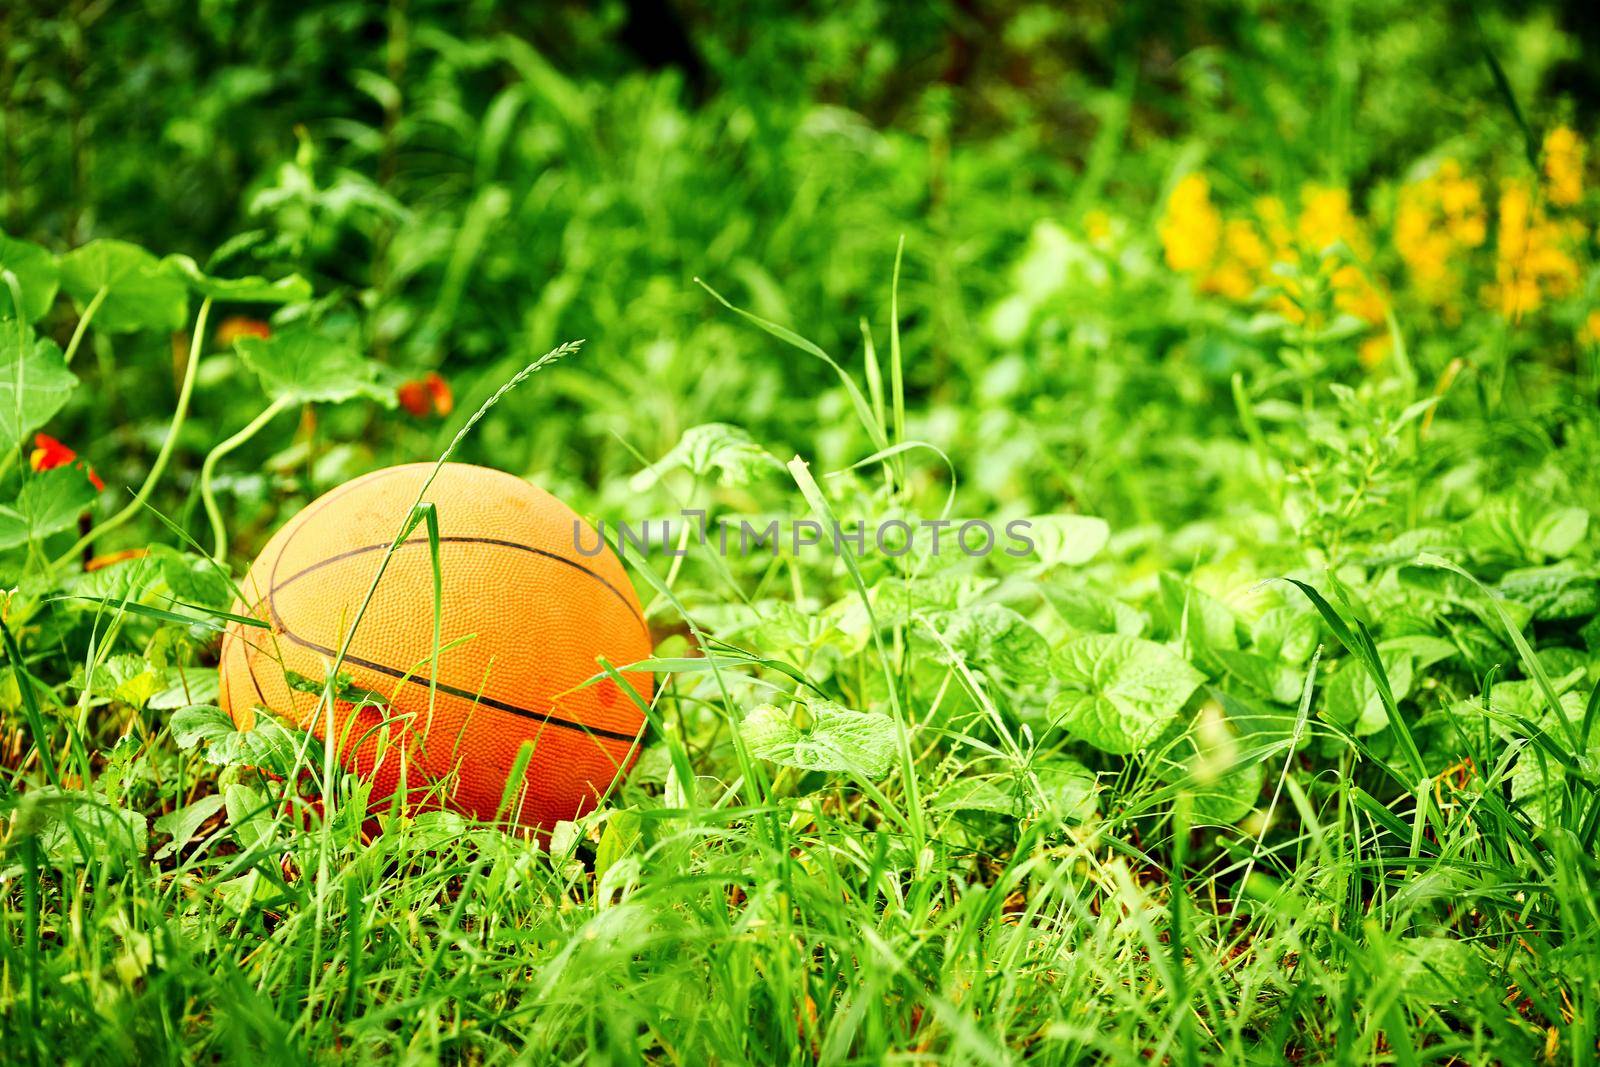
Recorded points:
(1282, 744)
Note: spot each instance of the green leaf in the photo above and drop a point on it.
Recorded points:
(1063, 789)
(1558, 532)
(1067, 540)
(1272, 678)
(1201, 617)
(247, 814)
(142, 293)
(1437, 970)
(835, 738)
(718, 447)
(34, 385)
(1209, 760)
(269, 746)
(193, 686)
(992, 636)
(1353, 699)
(1558, 592)
(1119, 693)
(74, 829)
(185, 822)
(127, 679)
(36, 275)
(48, 503)
(1285, 632)
(199, 722)
(250, 290)
(1088, 611)
(1423, 649)
(307, 367)
(193, 580)
(624, 834)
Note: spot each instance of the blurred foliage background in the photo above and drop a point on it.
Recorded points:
(475, 182)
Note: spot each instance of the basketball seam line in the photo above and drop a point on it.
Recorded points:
(455, 691)
(465, 540)
(412, 679)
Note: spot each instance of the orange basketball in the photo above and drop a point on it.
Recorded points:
(524, 618)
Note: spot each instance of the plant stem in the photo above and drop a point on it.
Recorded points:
(219, 530)
(179, 414)
(83, 323)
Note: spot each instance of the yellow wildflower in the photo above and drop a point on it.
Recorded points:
(1274, 219)
(1325, 219)
(1191, 229)
(1563, 167)
(1532, 261)
(1374, 350)
(1590, 334)
(1438, 219)
(1354, 294)
(1244, 257)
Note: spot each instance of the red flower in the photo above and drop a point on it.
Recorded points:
(428, 395)
(48, 454)
(237, 326)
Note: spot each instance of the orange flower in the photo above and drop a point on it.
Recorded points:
(48, 454)
(428, 395)
(237, 326)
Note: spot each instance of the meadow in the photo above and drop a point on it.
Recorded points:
(1276, 326)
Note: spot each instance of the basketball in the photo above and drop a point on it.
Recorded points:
(525, 616)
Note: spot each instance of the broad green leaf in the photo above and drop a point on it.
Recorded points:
(1437, 970)
(193, 580)
(1558, 592)
(34, 385)
(1423, 649)
(250, 290)
(997, 794)
(1230, 797)
(74, 829)
(624, 834)
(1063, 789)
(1271, 677)
(199, 722)
(269, 746)
(193, 685)
(1067, 540)
(1285, 632)
(1201, 617)
(834, 739)
(1088, 611)
(718, 447)
(1515, 702)
(993, 637)
(1118, 693)
(1352, 696)
(1208, 759)
(183, 823)
(306, 367)
(36, 276)
(248, 815)
(127, 679)
(1556, 533)
(142, 293)
(48, 503)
